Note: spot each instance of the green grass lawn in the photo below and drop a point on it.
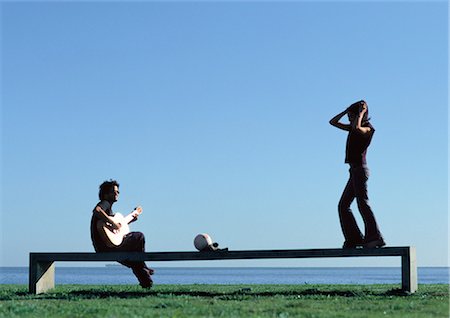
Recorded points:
(225, 301)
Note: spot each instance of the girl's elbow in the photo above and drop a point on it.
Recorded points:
(363, 130)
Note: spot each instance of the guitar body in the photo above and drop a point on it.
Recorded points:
(114, 237)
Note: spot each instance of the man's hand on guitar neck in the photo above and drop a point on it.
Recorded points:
(135, 213)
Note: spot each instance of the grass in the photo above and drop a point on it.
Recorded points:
(225, 301)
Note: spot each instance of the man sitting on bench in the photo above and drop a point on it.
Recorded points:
(110, 232)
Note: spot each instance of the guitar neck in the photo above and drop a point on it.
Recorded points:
(130, 217)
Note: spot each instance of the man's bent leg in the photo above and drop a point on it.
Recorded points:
(132, 242)
(135, 242)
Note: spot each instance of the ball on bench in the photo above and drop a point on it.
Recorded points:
(202, 241)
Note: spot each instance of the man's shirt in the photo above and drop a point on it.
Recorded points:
(97, 241)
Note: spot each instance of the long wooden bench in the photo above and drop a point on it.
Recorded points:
(42, 267)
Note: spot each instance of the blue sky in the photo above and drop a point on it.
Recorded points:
(214, 117)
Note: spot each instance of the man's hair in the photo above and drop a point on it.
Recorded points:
(354, 110)
(106, 188)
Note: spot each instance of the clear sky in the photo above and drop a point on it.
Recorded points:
(214, 117)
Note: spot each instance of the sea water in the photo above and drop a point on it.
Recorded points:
(232, 275)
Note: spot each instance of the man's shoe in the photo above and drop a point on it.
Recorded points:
(146, 285)
(143, 276)
(379, 242)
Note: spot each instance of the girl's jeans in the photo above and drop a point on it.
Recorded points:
(357, 188)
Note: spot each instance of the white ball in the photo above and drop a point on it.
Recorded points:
(201, 241)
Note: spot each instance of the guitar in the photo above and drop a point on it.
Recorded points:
(113, 237)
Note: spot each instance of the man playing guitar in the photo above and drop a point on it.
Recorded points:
(108, 235)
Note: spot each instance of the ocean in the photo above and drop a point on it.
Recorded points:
(117, 274)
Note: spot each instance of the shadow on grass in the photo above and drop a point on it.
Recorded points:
(237, 294)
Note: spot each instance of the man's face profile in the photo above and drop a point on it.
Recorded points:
(115, 193)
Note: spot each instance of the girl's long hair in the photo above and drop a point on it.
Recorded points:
(354, 110)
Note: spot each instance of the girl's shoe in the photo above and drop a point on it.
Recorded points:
(379, 242)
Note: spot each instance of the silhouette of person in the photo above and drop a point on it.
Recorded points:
(360, 133)
(132, 242)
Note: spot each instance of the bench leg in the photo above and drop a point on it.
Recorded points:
(42, 276)
(409, 271)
